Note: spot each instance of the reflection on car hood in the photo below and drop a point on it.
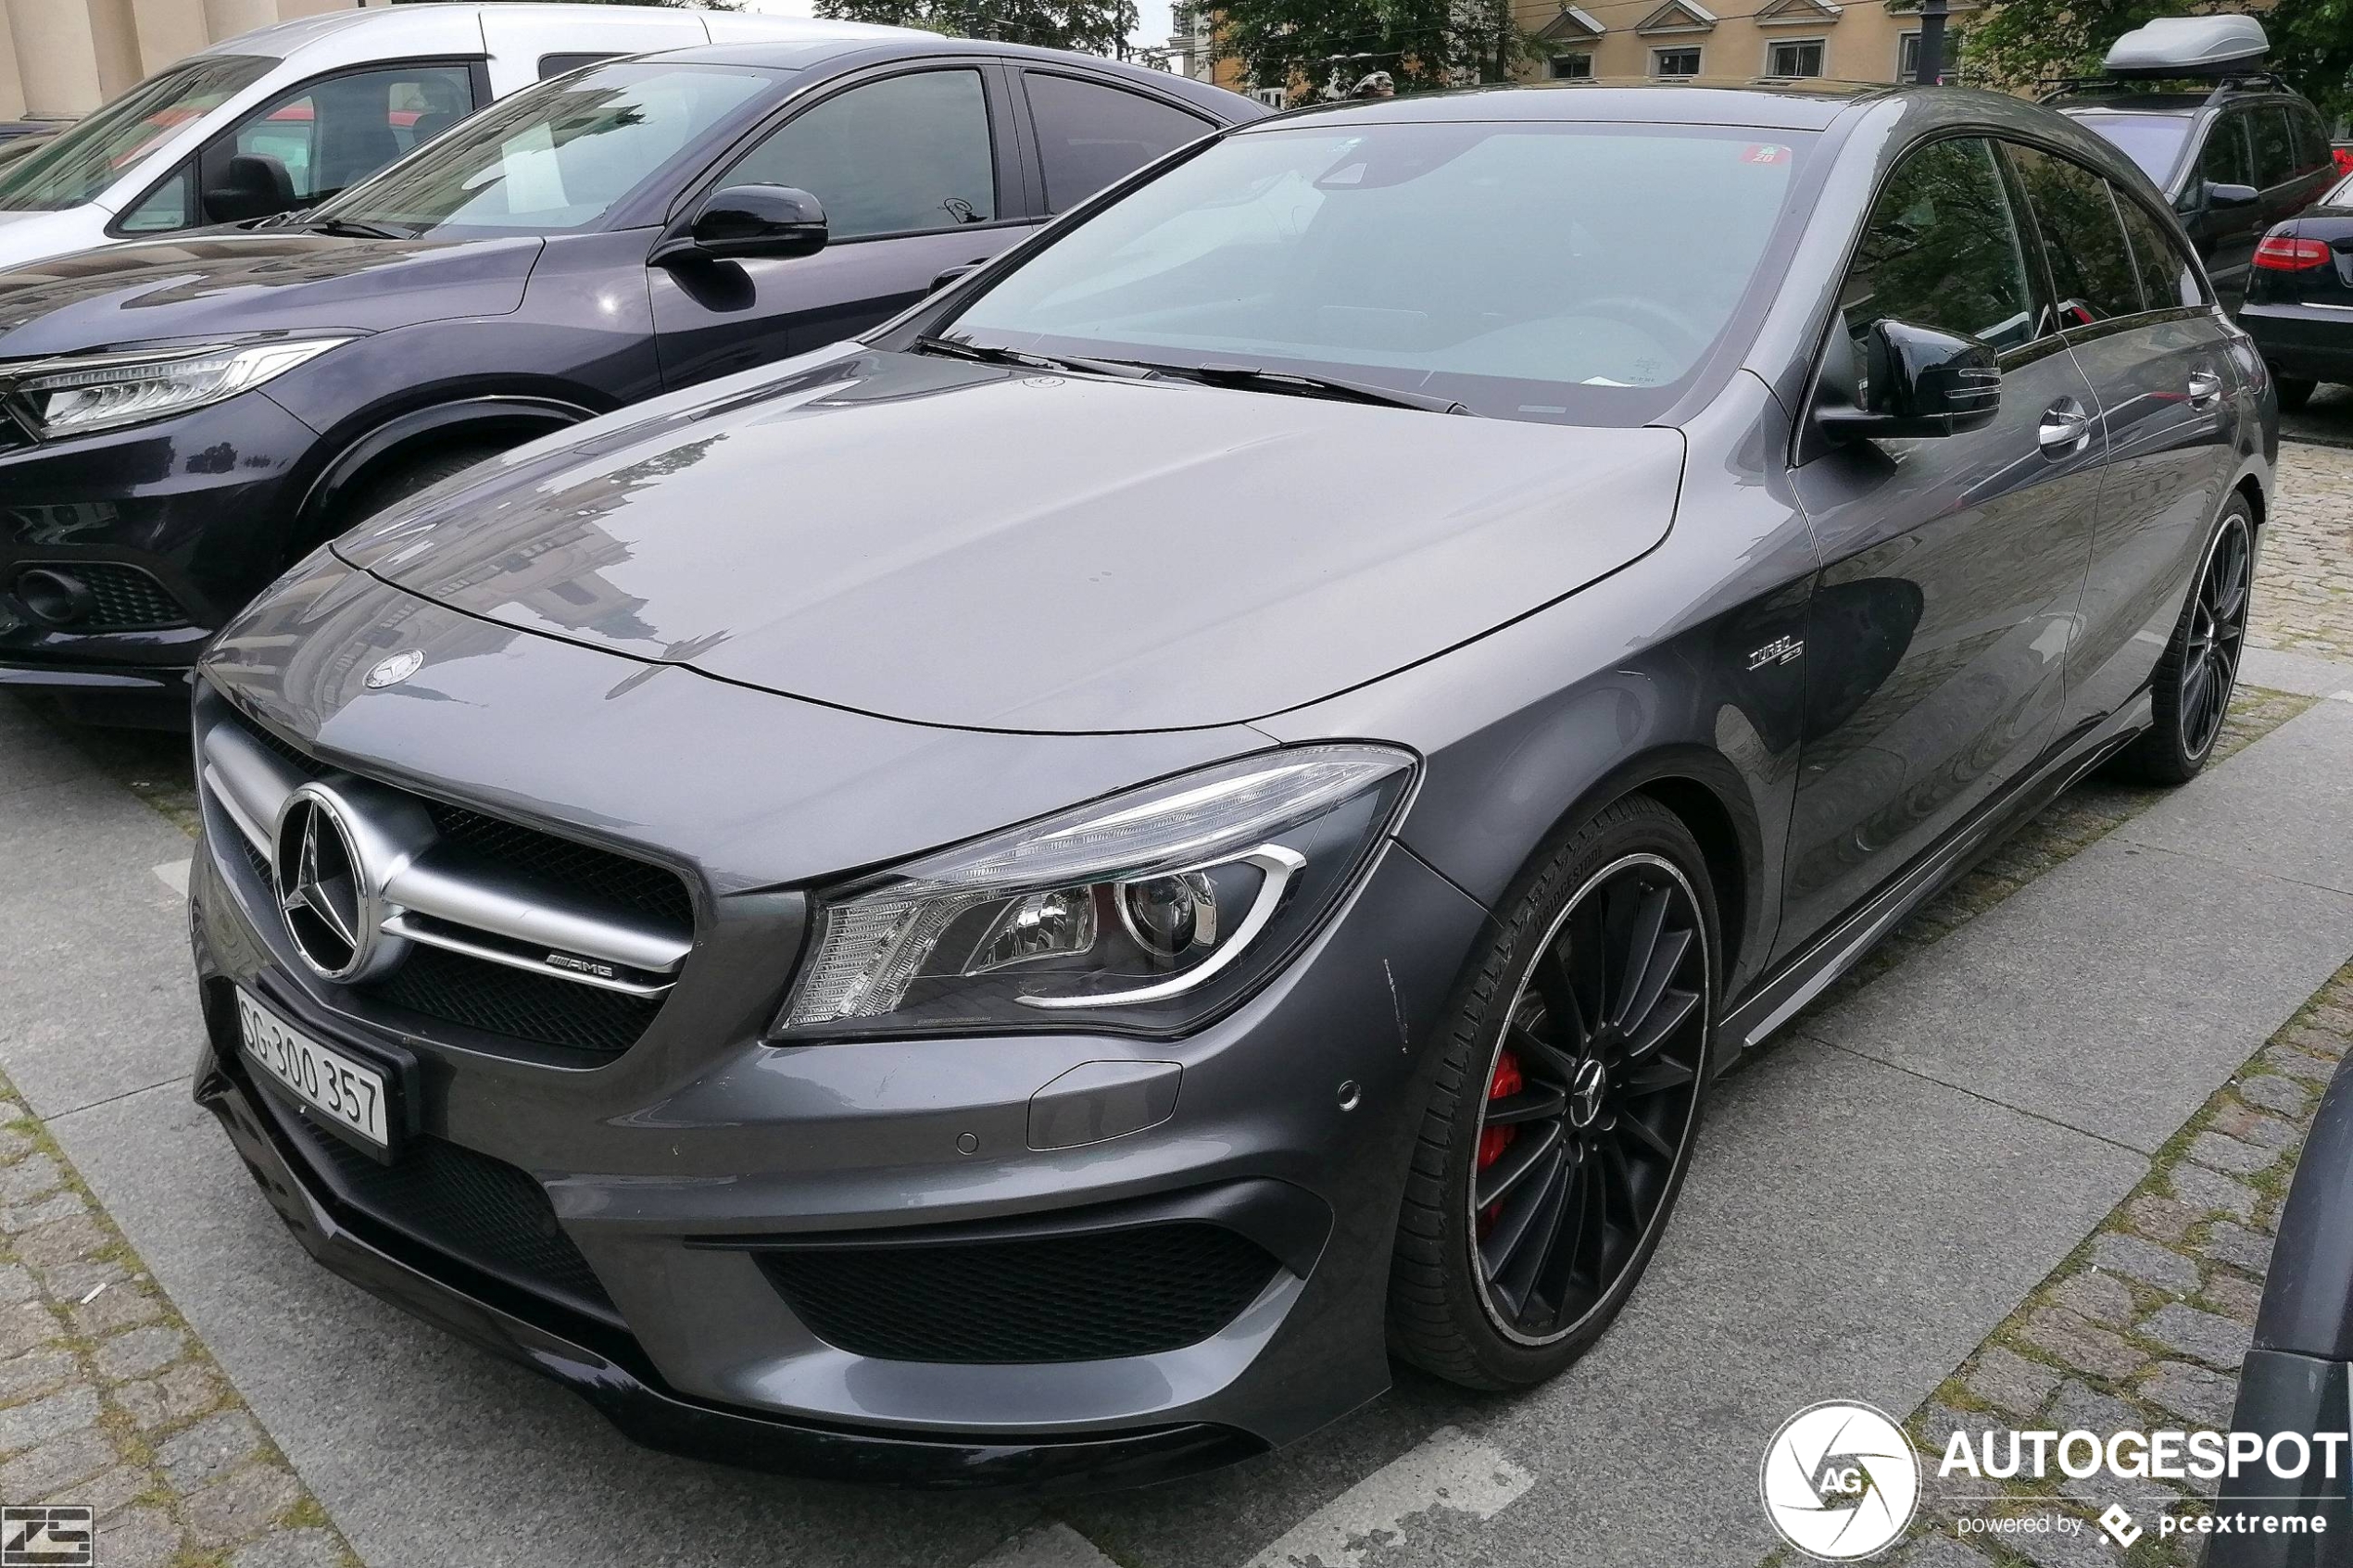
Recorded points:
(218, 283)
(954, 543)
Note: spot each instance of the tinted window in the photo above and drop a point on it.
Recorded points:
(900, 156)
(2274, 150)
(1089, 134)
(556, 65)
(78, 163)
(2311, 139)
(2153, 141)
(2225, 159)
(2082, 238)
(1942, 249)
(1526, 271)
(2167, 277)
(555, 156)
(334, 134)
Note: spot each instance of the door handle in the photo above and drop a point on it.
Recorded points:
(2205, 387)
(2065, 430)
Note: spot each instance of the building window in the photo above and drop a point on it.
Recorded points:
(1908, 57)
(1272, 97)
(1675, 62)
(1572, 66)
(1793, 56)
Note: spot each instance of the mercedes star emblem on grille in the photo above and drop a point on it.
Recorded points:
(323, 887)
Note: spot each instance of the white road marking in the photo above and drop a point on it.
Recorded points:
(1451, 1470)
(174, 875)
(1047, 1545)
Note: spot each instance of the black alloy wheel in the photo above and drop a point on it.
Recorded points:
(2192, 690)
(1565, 1116)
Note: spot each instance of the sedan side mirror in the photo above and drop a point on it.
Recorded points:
(2220, 196)
(750, 220)
(1911, 380)
(253, 186)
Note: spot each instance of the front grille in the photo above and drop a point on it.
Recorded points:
(433, 983)
(633, 884)
(1079, 1298)
(482, 1211)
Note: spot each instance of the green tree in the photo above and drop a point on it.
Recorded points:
(2026, 41)
(1315, 48)
(1094, 27)
(673, 5)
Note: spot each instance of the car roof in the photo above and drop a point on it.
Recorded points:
(847, 52)
(459, 27)
(1811, 105)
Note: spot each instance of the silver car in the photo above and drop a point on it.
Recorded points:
(287, 116)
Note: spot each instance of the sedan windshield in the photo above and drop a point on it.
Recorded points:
(1530, 271)
(555, 158)
(78, 163)
(2153, 141)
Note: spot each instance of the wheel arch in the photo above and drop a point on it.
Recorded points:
(362, 457)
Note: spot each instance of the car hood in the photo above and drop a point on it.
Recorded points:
(217, 284)
(932, 540)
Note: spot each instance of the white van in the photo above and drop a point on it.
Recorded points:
(286, 116)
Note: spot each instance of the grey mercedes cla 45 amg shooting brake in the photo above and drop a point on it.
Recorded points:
(1027, 899)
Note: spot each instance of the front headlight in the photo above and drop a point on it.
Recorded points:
(1150, 911)
(79, 394)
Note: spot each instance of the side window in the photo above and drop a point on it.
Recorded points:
(336, 132)
(2311, 139)
(2223, 160)
(2274, 150)
(1090, 134)
(1942, 249)
(2167, 277)
(170, 205)
(905, 155)
(2082, 238)
(557, 65)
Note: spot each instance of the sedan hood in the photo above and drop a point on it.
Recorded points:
(932, 540)
(221, 284)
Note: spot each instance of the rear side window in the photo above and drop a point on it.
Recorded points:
(1942, 249)
(2274, 148)
(2167, 277)
(905, 155)
(2311, 139)
(1090, 134)
(2225, 159)
(2082, 238)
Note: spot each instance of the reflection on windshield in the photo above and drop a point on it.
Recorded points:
(78, 163)
(555, 158)
(1530, 271)
(2153, 141)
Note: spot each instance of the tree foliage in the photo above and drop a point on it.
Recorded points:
(1094, 27)
(1317, 48)
(2024, 40)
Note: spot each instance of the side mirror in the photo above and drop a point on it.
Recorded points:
(951, 275)
(2220, 196)
(750, 220)
(253, 186)
(1911, 380)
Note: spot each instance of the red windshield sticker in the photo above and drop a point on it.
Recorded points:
(1764, 152)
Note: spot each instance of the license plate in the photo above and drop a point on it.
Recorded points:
(346, 1092)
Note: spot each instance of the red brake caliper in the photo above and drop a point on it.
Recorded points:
(1492, 1141)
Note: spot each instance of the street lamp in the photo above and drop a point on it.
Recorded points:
(1929, 69)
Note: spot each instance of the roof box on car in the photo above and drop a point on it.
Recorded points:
(2189, 47)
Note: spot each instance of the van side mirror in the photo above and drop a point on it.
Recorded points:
(2218, 196)
(253, 186)
(1908, 381)
(747, 221)
(951, 275)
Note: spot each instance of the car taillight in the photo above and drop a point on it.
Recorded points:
(2277, 255)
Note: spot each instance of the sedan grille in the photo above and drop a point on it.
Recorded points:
(1079, 1297)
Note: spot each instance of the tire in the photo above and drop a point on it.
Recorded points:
(403, 478)
(2294, 392)
(1466, 1301)
(2196, 677)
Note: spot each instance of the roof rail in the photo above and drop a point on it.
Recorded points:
(2120, 87)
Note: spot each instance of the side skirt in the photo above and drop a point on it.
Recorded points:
(1807, 974)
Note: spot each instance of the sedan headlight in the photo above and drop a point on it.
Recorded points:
(1150, 911)
(90, 391)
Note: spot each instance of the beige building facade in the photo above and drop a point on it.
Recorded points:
(1858, 41)
(60, 58)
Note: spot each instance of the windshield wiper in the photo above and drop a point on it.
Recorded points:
(992, 354)
(350, 228)
(1300, 385)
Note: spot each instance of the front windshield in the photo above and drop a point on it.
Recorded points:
(2153, 141)
(555, 158)
(1531, 271)
(78, 163)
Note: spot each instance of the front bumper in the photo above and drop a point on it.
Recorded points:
(167, 528)
(685, 1166)
(2310, 341)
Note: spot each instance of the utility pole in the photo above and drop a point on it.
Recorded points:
(1929, 68)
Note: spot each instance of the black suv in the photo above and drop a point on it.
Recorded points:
(181, 419)
(2233, 160)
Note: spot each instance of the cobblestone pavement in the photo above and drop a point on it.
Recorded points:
(105, 1400)
(2304, 588)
